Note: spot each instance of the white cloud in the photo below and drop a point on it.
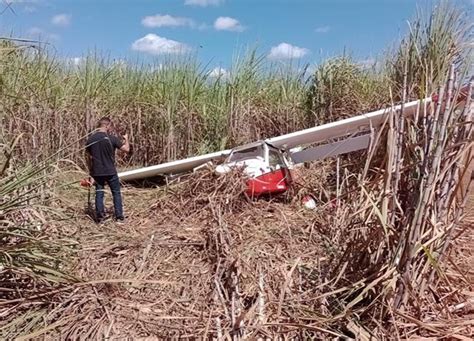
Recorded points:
(203, 3)
(166, 21)
(219, 72)
(287, 51)
(156, 45)
(367, 63)
(37, 33)
(228, 24)
(61, 20)
(76, 61)
(322, 29)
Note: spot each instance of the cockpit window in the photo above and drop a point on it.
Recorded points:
(245, 154)
(275, 158)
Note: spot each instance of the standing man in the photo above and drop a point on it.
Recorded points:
(100, 155)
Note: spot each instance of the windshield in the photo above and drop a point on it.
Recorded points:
(245, 154)
(275, 158)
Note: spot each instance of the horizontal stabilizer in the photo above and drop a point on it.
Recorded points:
(332, 149)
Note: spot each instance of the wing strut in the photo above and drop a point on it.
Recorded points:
(348, 145)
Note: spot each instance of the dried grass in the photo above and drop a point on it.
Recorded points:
(201, 259)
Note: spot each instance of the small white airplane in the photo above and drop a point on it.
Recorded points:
(268, 163)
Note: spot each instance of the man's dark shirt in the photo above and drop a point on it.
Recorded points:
(101, 148)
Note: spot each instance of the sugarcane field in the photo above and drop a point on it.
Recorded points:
(180, 170)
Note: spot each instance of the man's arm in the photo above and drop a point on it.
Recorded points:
(88, 161)
(126, 144)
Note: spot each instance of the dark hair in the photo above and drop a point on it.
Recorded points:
(104, 122)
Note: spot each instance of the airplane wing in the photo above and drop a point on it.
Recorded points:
(321, 133)
(173, 167)
(340, 128)
(355, 124)
(348, 130)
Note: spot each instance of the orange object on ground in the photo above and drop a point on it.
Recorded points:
(86, 182)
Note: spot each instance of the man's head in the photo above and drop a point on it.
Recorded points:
(104, 124)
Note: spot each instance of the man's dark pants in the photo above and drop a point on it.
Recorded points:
(114, 184)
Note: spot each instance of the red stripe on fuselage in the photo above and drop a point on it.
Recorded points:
(274, 182)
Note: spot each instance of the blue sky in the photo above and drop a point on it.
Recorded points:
(301, 31)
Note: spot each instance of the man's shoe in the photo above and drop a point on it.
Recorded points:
(102, 219)
(120, 221)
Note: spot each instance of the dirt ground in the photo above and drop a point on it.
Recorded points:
(175, 276)
(185, 261)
